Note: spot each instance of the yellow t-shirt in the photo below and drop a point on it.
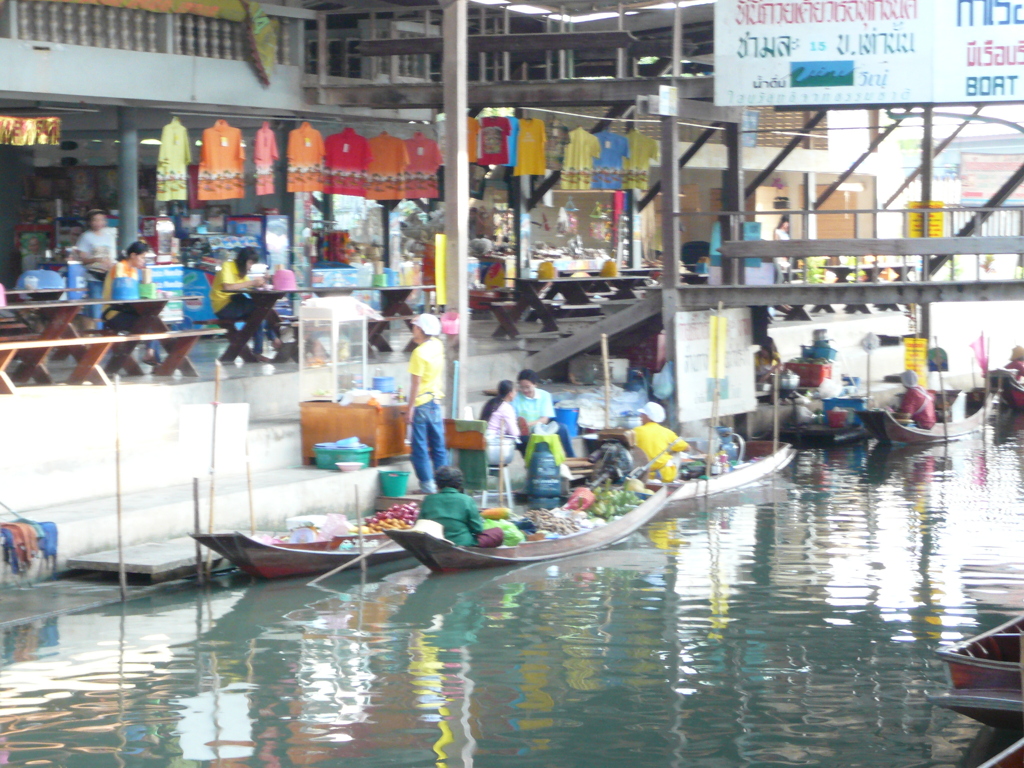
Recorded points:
(427, 362)
(643, 150)
(530, 157)
(652, 439)
(228, 275)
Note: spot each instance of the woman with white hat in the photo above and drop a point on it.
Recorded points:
(426, 391)
(918, 402)
(659, 442)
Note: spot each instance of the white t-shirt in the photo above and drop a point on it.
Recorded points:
(101, 244)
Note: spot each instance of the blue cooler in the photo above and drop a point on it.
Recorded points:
(570, 419)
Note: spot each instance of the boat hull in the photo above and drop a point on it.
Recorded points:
(990, 660)
(443, 556)
(268, 561)
(823, 436)
(1012, 757)
(990, 706)
(883, 427)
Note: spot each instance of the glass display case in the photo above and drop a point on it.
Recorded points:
(332, 354)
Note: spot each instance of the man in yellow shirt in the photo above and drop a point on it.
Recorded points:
(426, 391)
(653, 439)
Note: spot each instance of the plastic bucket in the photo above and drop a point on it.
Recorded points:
(76, 280)
(384, 383)
(837, 418)
(570, 419)
(393, 483)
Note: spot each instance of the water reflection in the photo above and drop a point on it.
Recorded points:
(790, 624)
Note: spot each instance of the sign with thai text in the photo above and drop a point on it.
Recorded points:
(982, 176)
(696, 365)
(825, 52)
(915, 358)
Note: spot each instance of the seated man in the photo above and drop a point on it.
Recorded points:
(654, 439)
(458, 513)
(918, 403)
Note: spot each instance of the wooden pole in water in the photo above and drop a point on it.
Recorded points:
(359, 522)
(946, 409)
(121, 576)
(607, 381)
(775, 412)
(868, 403)
(248, 482)
(198, 528)
(714, 401)
(988, 379)
(213, 455)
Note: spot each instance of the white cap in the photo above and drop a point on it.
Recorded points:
(429, 324)
(654, 412)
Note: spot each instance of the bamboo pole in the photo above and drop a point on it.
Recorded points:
(213, 456)
(198, 528)
(607, 381)
(248, 482)
(122, 578)
(361, 560)
(359, 522)
(946, 410)
(713, 422)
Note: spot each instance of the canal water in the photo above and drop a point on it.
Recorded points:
(790, 624)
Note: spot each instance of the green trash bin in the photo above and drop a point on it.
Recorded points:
(393, 483)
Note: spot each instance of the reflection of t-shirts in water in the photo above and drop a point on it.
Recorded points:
(98, 245)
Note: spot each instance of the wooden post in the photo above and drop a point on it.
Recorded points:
(607, 382)
(946, 411)
(248, 482)
(213, 455)
(988, 380)
(196, 525)
(359, 522)
(775, 411)
(121, 576)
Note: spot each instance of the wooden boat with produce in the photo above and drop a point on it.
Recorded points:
(995, 707)
(990, 660)
(279, 561)
(1011, 757)
(443, 556)
(883, 426)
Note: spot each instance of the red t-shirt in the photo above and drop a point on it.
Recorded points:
(920, 405)
(421, 173)
(347, 157)
(494, 133)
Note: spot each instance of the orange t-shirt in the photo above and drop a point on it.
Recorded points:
(385, 175)
(221, 163)
(305, 160)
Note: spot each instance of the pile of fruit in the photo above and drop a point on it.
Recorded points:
(399, 517)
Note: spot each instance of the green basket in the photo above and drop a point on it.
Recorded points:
(326, 458)
(393, 483)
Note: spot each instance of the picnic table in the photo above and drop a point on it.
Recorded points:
(21, 295)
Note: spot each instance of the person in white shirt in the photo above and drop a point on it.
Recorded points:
(97, 250)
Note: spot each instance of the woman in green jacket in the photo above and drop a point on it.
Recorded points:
(458, 513)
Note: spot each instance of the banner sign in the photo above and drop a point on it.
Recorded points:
(822, 52)
(915, 358)
(698, 362)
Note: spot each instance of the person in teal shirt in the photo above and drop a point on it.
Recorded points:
(458, 513)
(534, 406)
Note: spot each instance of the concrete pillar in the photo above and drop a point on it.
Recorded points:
(519, 192)
(456, 182)
(127, 177)
(810, 195)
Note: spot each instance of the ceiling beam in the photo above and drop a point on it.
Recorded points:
(541, 42)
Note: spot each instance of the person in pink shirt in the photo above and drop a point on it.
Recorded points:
(918, 402)
(499, 413)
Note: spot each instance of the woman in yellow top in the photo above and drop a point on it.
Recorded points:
(238, 306)
(653, 439)
(766, 361)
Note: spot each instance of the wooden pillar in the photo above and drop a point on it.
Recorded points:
(732, 200)
(671, 245)
(927, 174)
(520, 190)
(456, 184)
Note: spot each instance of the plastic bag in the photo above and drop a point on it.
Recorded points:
(663, 383)
(513, 535)
(335, 525)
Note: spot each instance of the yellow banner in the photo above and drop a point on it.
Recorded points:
(719, 344)
(231, 10)
(440, 268)
(936, 221)
(915, 358)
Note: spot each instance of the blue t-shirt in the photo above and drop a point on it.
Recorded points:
(536, 407)
(608, 167)
(513, 140)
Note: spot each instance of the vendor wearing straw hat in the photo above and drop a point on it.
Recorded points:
(1017, 361)
(426, 391)
(658, 442)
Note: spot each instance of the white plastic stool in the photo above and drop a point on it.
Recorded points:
(496, 471)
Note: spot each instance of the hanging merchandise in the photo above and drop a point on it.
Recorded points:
(557, 141)
(599, 224)
(221, 163)
(494, 133)
(348, 155)
(424, 160)
(513, 141)
(531, 159)
(473, 139)
(643, 150)
(608, 169)
(305, 160)
(23, 131)
(173, 161)
(578, 165)
(265, 154)
(385, 175)
(562, 225)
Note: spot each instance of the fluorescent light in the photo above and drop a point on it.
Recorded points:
(682, 4)
(491, 2)
(590, 17)
(528, 9)
(151, 142)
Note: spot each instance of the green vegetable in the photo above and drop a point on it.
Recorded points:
(613, 502)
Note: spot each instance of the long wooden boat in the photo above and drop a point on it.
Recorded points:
(1011, 757)
(822, 435)
(995, 707)
(279, 561)
(989, 660)
(443, 556)
(884, 427)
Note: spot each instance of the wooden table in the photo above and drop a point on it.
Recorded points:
(263, 310)
(538, 295)
(57, 315)
(36, 294)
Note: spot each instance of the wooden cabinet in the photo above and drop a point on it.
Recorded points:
(381, 427)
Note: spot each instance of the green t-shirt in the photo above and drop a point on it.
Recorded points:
(457, 512)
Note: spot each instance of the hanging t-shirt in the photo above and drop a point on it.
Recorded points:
(557, 141)
(172, 164)
(265, 154)
(348, 155)
(513, 141)
(608, 166)
(221, 163)
(643, 150)
(578, 164)
(421, 173)
(305, 160)
(494, 133)
(530, 155)
(385, 175)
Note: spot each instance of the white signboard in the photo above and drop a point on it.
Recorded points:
(822, 52)
(694, 386)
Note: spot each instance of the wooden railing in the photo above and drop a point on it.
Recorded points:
(131, 29)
